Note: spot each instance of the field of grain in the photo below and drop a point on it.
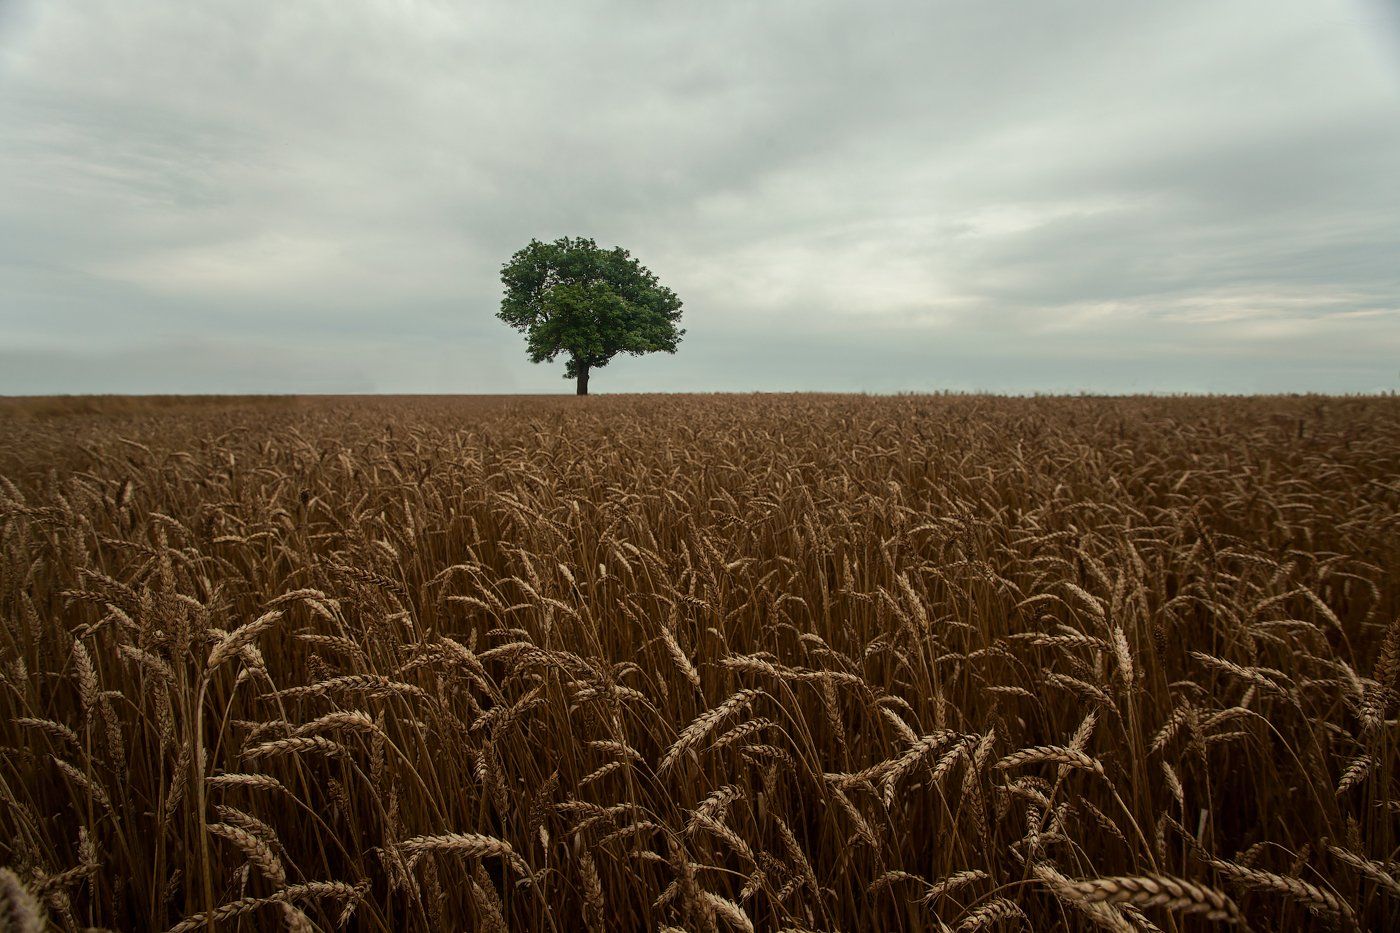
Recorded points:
(702, 663)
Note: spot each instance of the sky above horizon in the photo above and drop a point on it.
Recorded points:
(910, 196)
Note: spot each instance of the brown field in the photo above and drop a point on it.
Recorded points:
(706, 663)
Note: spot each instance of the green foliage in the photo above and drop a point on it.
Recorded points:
(572, 297)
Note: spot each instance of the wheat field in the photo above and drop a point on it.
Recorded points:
(698, 663)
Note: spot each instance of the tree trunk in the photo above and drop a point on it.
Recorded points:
(583, 380)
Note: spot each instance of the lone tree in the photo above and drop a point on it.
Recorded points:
(571, 297)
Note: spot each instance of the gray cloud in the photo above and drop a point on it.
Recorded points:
(318, 196)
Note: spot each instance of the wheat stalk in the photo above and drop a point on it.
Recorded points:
(1296, 888)
(1143, 891)
(19, 909)
(470, 845)
(695, 733)
(1057, 754)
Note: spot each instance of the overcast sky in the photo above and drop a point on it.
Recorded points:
(239, 195)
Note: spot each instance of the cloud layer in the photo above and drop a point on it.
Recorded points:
(254, 196)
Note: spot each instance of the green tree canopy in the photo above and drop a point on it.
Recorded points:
(572, 297)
